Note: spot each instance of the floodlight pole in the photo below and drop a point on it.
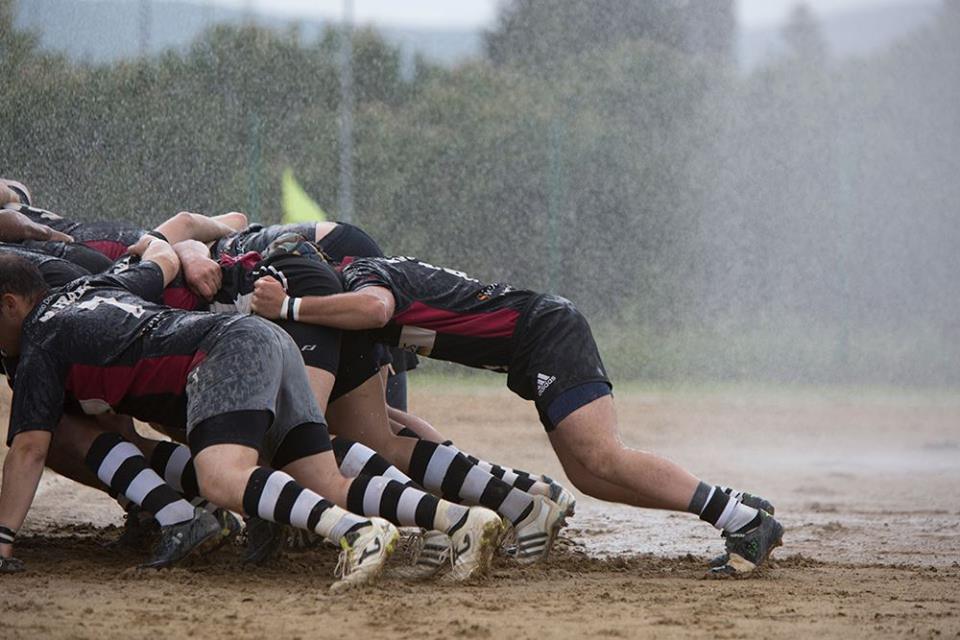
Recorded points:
(146, 20)
(346, 114)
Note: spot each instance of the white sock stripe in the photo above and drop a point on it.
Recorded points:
(741, 517)
(515, 504)
(373, 494)
(510, 477)
(437, 467)
(707, 501)
(119, 454)
(144, 482)
(474, 484)
(173, 473)
(356, 458)
(335, 522)
(484, 465)
(407, 507)
(271, 492)
(179, 511)
(395, 474)
(726, 513)
(302, 507)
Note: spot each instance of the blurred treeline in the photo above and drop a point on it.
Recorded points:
(800, 223)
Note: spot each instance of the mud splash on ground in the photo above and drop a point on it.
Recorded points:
(864, 484)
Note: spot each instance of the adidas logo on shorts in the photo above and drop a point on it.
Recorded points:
(544, 381)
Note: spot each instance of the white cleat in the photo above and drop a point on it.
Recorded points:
(564, 499)
(427, 553)
(364, 554)
(473, 545)
(536, 533)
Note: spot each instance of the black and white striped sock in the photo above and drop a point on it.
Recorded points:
(122, 467)
(355, 459)
(522, 480)
(721, 509)
(444, 470)
(174, 463)
(275, 496)
(403, 505)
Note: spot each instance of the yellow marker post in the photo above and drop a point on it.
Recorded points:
(297, 205)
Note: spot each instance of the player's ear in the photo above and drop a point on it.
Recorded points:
(8, 304)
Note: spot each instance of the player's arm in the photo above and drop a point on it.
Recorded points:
(13, 191)
(202, 275)
(195, 226)
(158, 251)
(16, 227)
(367, 308)
(22, 469)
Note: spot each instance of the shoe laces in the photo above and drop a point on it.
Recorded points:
(508, 543)
(344, 560)
(415, 543)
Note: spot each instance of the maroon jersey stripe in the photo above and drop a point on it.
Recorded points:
(493, 324)
(109, 248)
(165, 374)
(181, 298)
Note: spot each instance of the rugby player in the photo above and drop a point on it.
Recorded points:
(357, 409)
(545, 347)
(98, 343)
(337, 240)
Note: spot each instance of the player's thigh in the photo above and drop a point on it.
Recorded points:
(589, 436)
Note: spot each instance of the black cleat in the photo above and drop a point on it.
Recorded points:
(747, 550)
(264, 540)
(750, 500)
(177, 541)
(140, 531)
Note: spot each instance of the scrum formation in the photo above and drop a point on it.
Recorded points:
(275, 358)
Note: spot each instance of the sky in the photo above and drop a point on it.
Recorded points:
(474, 14)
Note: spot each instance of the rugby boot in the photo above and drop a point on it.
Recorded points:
(264, 541)
(747, 550)
(751, 501)
(230, 526)
(427, 553)
(564, 499)
(473, 545)
(535, 534)
(363, 554)
(140, 530)
(177, 541)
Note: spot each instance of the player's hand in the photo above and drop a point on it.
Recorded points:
(141, 245)
(268, 295)
(16, 227)
(43, 232)
(10, 565)
(202, 275)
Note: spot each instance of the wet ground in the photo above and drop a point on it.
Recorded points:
(865, 483)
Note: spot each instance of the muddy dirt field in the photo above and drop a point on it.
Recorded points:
(865, 483)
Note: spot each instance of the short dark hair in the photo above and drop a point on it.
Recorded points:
(21, 277)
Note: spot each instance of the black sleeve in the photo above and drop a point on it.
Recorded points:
(38, 393)
(373, 272)
(57, 273)
(142, 279)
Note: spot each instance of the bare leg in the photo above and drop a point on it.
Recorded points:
(596, 460)
(320, 473)
(361, 415)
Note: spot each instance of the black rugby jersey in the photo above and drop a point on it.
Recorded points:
(56, 272)
(109, 237)
(343, 240)
(100, 345)
(442, 313)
